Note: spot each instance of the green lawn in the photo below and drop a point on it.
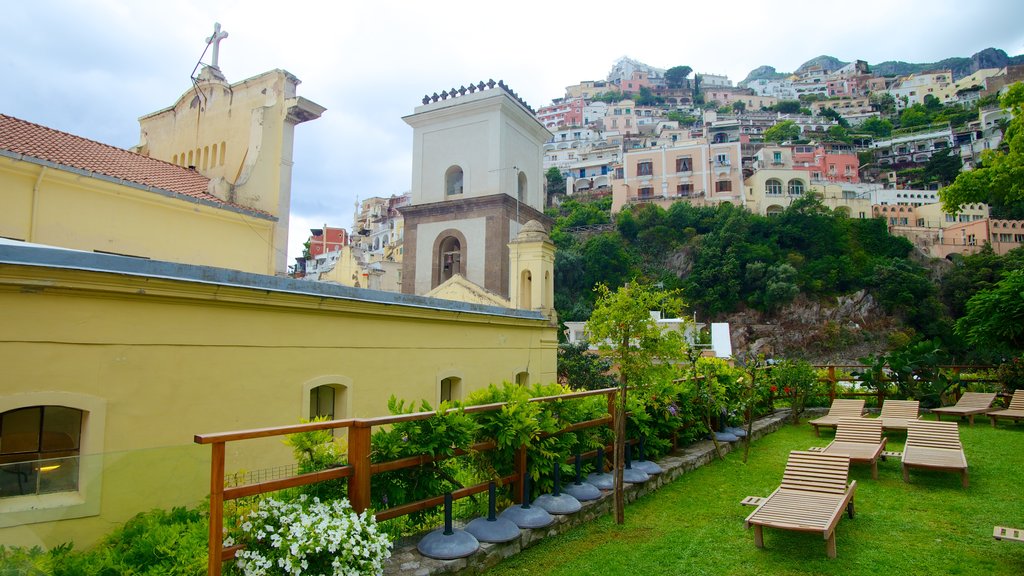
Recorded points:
(695, 525)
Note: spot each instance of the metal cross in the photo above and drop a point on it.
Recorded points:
(215, 40)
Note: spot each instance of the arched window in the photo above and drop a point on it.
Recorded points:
(453, 181)
(451, 389)
(523, 378)
(774, 210)
(796, 187)
(525, 290)
(450, 255)
(521, 187)
(322, 402)
(773, 187)
(39, 450)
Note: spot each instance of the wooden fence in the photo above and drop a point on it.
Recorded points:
(832, 378)
(360, 469)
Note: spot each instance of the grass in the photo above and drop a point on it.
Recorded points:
(695, 525)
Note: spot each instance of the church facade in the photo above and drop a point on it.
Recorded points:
(114, 363)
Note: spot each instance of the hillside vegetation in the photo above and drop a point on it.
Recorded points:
(774, 270)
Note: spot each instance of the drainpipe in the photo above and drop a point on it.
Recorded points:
(35, 205)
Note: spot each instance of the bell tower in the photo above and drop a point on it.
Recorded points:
(477, 179)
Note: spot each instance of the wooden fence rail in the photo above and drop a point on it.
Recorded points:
(360, 469)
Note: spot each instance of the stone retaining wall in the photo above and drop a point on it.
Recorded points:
(406, 560)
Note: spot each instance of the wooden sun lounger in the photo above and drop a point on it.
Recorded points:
(811, 498)
(1015, 411)
(896, 414)
(935, 446)
(839, 409)
(970, 403)
(1004, 533)
(861, 439)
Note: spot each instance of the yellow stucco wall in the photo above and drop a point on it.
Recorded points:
(58, 208)
(173, 358)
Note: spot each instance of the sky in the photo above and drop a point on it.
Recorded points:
(93, 67)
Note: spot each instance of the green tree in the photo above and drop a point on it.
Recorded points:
(581, 369)
(943, 166)
(787, 106)
(683, 119)
(916, 115)
(623, 327)
(840, 134)
(647, 98)
(556, 182)
(879, 127)
(675, 77)
(883, 102)
(999, 181)
(833, 115)
(785, 131)
(932, 104)
(995, 318)
(739, 106)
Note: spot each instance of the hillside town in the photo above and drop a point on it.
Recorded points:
(661, 136)
(176, 391)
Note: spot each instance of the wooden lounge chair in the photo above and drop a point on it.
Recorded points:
(861, 439)
(839, 409)
(811, 498)
(970, 403)
(1015, 411)
(1004, 533)
(896, 414)
(935, 446)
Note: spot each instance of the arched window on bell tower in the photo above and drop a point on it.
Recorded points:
(521, 187)
(453, 181)
(451, 258)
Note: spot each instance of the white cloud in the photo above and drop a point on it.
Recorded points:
(93, 67)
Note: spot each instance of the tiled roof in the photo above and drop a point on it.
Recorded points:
(40, 142)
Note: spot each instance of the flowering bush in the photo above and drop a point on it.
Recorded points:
(310, 537)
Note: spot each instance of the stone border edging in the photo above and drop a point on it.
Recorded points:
(406, 559)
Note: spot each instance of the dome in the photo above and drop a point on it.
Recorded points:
(532, 231)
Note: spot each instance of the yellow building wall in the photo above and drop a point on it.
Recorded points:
(60, 208)
(175, 358)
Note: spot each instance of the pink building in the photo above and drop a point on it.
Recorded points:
(562, 113)
(829, 161)
(697, 171)
(636, 81)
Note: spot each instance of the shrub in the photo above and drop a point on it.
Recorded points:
(794, 379)
(306, 536)
(1011, 373)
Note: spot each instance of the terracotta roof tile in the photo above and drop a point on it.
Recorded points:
(28, 139)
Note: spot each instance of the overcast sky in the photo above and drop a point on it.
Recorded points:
(93, 67)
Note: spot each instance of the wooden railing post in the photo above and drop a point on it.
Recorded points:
(831, 384)
(216, 545)
(517, 485)
(359, 459)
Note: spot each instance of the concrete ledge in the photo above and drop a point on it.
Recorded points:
(406, 560)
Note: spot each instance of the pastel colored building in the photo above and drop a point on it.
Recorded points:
(912, 89)
(206, 168)
(829, 161)
(151, 353)
(776, 183)
(694, 171)
(564, 113)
